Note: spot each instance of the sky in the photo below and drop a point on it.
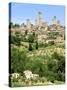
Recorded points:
(22, 11)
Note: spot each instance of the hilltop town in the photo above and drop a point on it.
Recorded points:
(37, 52)
(42, 29)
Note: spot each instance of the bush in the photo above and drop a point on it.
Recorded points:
(18, 60)
(43, 79)
(15, 39)
(51, 76)
(30, 38)
(26, 32)
(43, 45)
(59, 76)
(30, 47)
(52, 35)
(55, 55)
(36, 45)
(51, 42)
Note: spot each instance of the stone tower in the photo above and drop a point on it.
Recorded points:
(28, 23)
(54, 20)
(39, 18)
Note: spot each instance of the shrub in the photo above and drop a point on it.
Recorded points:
(18, 60)
(51, 42)
(36, 45)
(42, 45)
(43, 79)
(26, 32)
(16, 39)
(30, 47)
(59, 76)
(55, 55)
(30, 38)
(51, 76)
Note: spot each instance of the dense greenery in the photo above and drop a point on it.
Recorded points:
(41, 58)
(53, 35)
(11, 25)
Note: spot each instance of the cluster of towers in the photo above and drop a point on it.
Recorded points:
(40, 22)
(55, 21)
(41, 27)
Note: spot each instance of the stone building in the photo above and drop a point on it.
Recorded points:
(41, 27)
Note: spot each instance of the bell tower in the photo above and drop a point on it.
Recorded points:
(28, 23)
(39, 18)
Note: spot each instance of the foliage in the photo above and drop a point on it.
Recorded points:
(52, 35)
(26, 32)
(43, 45)
(16, 25)
(41, 58)
(10, 25)
(18, 60)
(31, 38)
(16, 39)
(51, 42)
(36, 45)
(30, 47)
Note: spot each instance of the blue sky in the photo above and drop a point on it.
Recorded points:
(22, 11)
